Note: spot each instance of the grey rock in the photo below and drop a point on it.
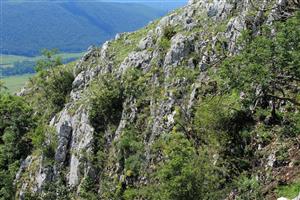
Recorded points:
(24, 164)
(181, 46)
(271, 160)
(64, 131)
(139, 59)
(146, 42)
(297, 198)
(44, 175)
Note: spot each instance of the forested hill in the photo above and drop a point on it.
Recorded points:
(29, 26)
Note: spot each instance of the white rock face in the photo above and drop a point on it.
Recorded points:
(282, 198)
(271, 160)
(146, 42)
(82, 138)
(297, 198)
(75, 135)
(181, 46)
(139, 59)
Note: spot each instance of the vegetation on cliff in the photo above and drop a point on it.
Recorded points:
(226, 129)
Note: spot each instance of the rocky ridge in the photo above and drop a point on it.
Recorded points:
(200, 35)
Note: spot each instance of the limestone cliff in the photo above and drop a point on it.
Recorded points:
(168, 62)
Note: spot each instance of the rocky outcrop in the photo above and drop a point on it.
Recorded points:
(194, 45)
(181, 46)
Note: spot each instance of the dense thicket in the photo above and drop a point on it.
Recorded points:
(16, 121)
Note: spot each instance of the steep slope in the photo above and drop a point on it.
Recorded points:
(69, 26)
(181, 109)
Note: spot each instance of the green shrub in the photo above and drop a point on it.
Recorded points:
(248, 188)
(55, 86)
(16, 120)
(164, 43)
(88, 189)
(184, 174)
(289, 191)
(169, 32)
(105, 102)
(131, 149)
(267, 70)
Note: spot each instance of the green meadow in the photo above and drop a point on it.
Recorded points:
(9, 60)
(15, 83)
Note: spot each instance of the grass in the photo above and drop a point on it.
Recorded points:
(289, 191)
(15, 83)
(121, 49)
(9, 60)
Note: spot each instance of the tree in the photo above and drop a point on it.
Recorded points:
(106, 101)
(185, 173)
(2, 86)
(54, 82)
(267, 71)
(15, 122)
(48, 61)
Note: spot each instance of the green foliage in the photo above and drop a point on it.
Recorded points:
(291, 124)
(169, 32)
(248, 188)
(48, 61)
(52, 89)
(44, 139)
(164, 43)
(213, 114)
(184, 174)
(137, 84)
(268, 67)
(289, 191)
(131, 151)
(2, 86)
(134, 83)
(88, 189)
(165, 40)
(105, 101)
(15, 122)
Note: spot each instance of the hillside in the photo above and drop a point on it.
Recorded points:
(31, 26)
(201, 104)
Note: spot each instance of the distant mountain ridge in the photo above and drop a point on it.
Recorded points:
(70, 26)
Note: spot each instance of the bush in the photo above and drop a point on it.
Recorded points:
(131, 149)
(169, 32)
(289, 191)
(54, 87)
(184, 174)
(105, 102)
(51, 86)
(248, 188)
(15, 122)
(267, 70)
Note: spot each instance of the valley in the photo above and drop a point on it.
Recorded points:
(68, 26)
(15, 83)
(16, 70)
